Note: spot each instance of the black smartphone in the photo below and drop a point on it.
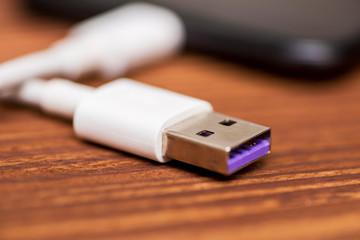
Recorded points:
(315, 38)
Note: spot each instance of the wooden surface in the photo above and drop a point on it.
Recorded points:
(54, 186)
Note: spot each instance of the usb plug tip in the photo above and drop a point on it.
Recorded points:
(216, 142)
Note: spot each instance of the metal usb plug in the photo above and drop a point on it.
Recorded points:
(216, 142)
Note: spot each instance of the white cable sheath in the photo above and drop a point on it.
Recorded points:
(123, 114)
(112, 43)
(57, 96)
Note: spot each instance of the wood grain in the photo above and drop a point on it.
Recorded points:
(54, 186)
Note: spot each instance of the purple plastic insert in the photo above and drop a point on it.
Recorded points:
(246, 153)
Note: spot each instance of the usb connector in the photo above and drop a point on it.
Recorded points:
(216, 142)
(152, 122)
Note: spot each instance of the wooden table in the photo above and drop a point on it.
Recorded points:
(54, 186)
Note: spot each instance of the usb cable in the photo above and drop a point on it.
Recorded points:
(151, 122)
(111, 43)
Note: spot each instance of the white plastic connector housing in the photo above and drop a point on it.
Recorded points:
(132, 116)
(129, 36)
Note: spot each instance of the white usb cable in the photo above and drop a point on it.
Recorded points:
(129, 36)
(151, 122)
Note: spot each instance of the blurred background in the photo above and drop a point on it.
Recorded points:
(296, 37)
